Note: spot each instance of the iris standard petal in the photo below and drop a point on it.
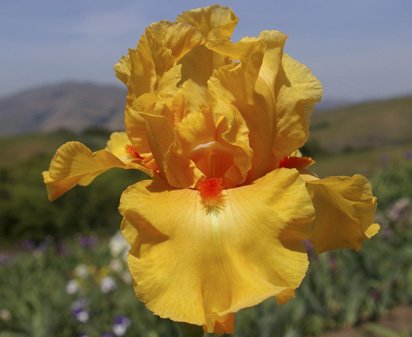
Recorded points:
(123, 69)
(297, 91)
(345, 210)
(161, 46)
(150, 69)
(274, 93)
(75, 164)
(247, 86)
(213, 21)
(197, 265)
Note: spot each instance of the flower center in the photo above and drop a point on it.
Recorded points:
(210, 190)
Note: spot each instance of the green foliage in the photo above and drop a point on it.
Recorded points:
(26, 213)
(342, 288)
(392, 184)
(34, 292)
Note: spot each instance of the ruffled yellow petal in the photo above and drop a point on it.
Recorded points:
(135, 123)
(195, 265)
(188, 140)
(154, 75)
(199, 64)
(345, 210)
(249, 87)
(297, 91)
(129, 232)
(213, 21)
(74, 164)
(217, 144)
(274, 93)
(123, 69)
(150, 71)
(161, 46)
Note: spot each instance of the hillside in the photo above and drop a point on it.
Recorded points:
(363, 126)
(69, 105)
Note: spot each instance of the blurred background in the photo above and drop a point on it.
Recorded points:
(62, 268)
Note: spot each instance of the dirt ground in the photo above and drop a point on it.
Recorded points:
(399, 319)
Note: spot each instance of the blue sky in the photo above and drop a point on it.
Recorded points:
(359, 49)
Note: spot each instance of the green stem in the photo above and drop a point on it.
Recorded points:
(189, 330)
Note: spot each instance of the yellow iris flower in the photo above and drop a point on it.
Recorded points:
(217, 125)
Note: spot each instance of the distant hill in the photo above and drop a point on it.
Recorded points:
(363, 126)
(71, 105)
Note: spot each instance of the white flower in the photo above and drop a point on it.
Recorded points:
(116, 265)
(126, 277)
(107, 284)
(81, 271)
(72, 287)
(118, 245)
(120, 325)
(82, 316)
(5, 315)
(79, 310)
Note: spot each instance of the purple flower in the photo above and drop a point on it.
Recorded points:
(407, 155)
(79, 310)
(106, 334)
(120, 325)
(81, 315)
(87, 241)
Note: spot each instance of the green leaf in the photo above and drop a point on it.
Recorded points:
(189, 330)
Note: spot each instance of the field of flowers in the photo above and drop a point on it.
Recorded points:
(80, 286)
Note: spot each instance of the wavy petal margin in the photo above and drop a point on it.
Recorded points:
(194, 265)
(75, 164)
(212, 21)
(345, 212)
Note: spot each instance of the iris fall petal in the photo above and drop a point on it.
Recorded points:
(345, 210)
(195, 265)
(74, 164)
